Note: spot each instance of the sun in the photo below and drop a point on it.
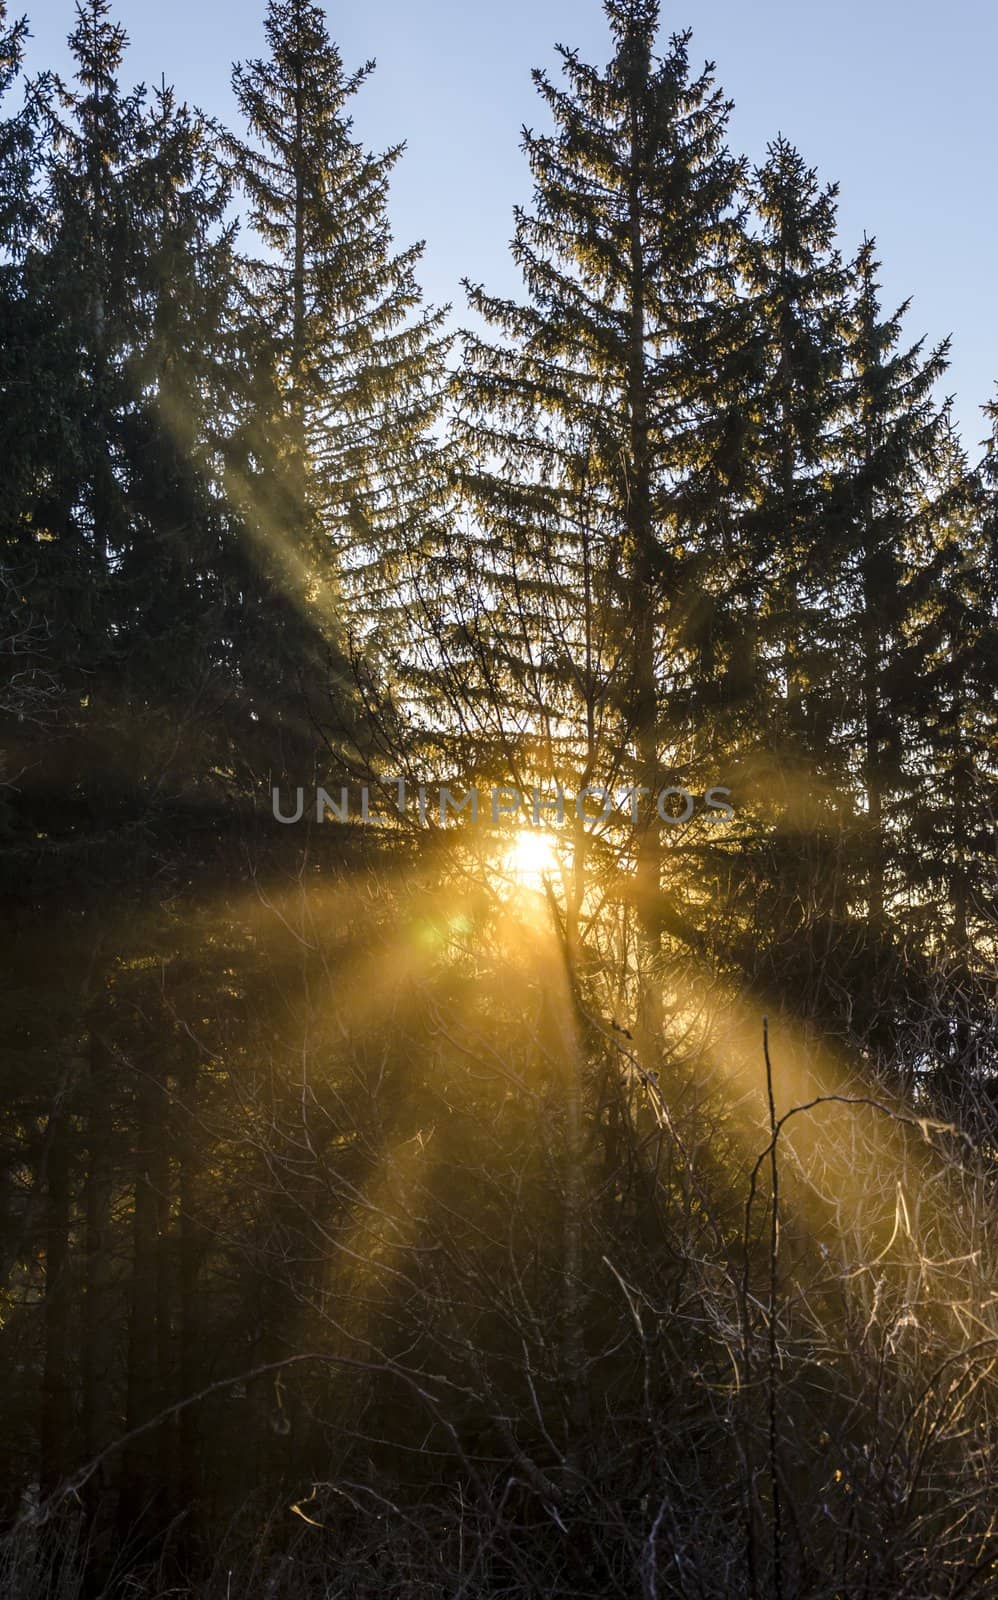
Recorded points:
(531, 859)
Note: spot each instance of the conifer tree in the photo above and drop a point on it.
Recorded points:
(27, 387)
(130, 276)
(598, 431)
(894, 475)
(797, 294)
(333, 465)
(953, 665)
(120, 534)
(793, 782)
(895, 449)
(18, 156)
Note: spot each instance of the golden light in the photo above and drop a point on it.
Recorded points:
(531, 859)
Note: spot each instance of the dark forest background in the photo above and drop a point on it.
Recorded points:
(388, 1210)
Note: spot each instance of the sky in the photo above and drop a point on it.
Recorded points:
(893, 99)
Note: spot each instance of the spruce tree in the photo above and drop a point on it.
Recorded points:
(793, 781)
(333, 466)
(18, 162)
(893, 483)
(598, 431)
(797, 294)
(122, 541)
(129, 277)
(895, 447)
(949, 857)
(894, 450)
(28, 389)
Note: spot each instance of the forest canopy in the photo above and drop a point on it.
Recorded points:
(499, 845)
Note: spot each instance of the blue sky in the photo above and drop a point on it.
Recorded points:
(894, 99)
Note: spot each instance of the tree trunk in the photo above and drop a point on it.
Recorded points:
(138, 1489)
(55, 1395)
(190, 1249)
(642, 567)
(98, 1344)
